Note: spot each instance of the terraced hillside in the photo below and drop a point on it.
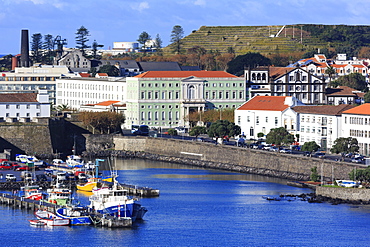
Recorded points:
(262, 39)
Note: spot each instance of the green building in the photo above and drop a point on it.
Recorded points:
(165, 98)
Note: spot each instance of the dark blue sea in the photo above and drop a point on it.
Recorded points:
(199, 207)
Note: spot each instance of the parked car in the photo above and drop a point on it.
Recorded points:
(10, 177)
(285, 150)
(267, 147)
(22, 168)
(307, 153)
(273, 149)
(5, 166)
(41, 177)
(356, 160)
(319, 155)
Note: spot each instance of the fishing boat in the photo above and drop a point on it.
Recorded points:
(95, 181)
(37, 223)
(115, 201)
(90, 184)
(74, 161)
(30, 191)
(76, 214)
(51, 219)
(59, 195)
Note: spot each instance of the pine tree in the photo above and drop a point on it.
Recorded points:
(81, 39)
(176, 35)
(36, 47)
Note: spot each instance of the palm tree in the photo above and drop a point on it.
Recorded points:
(330, 71)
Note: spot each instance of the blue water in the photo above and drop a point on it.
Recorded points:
(199, 207)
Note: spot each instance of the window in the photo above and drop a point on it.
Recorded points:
(7, 106)
(276, 120)
(257, 120)
(239, 120)
(17, 106)
(28, 106)
(267, 119)
(248, 119)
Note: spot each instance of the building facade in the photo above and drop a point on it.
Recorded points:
(285, 81)
(24, 107)
(165, 98)
(75, 92)
(263, 113)
(321, 124)
(356, 124)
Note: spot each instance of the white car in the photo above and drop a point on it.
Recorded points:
(10, 177)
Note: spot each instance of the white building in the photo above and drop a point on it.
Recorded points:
(321, 124)
(356, 124)
(75, 92)
(24, 107)
(109, 105)
(286, 81)
(263, 113)
(32, 79)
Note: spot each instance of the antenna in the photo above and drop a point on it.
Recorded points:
(59, 42)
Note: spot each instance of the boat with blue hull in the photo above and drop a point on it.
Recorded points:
(76, 215)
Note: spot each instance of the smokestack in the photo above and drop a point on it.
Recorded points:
(25, 59)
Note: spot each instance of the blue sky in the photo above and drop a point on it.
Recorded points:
(122, 21)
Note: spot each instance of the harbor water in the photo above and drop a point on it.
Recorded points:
(202, 207)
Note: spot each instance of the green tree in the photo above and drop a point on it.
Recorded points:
(111, 70)
(6, 63)
(197, 130)
(104, 122)
(143, 38)
(172, 132)
(330, 71)
(345, 145)
(36, 47)
(260, 135)
(314, 175)
(48, 46)
(81, 39)
(250, 60)
(310, 146)
(367, 97)
(279, 136)
(176, 35)
(222, 128)
(95, 47)
(353, 80)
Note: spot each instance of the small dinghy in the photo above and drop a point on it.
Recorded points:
(37, 223)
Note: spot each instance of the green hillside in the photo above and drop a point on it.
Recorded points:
(264, 39)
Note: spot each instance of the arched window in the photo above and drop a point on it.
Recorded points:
(191, 92)
(253, 76)
(258, 76)
(263, 76)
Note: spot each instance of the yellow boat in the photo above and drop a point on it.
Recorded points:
(93, 182)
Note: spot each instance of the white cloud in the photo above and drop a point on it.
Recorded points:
(141, 6)
(200, 2)
(55, 3)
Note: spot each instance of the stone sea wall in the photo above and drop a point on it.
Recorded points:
(349, 194)
(233, 158)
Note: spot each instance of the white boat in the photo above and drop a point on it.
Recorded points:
(74, 161)
(59, 195)
(76, 215)
(30, 191)
(50, 219)
(37, 223)
(116, 202)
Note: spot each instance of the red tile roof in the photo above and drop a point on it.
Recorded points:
(360, 110)
(265, 103)
(102, 74)
(18, 97)
(340, 91)
(107, 103)
(276, 72)
(184, 74)
(323, 109)
(84, 74)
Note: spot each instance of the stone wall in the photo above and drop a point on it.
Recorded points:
(350, 194)
(238, 159)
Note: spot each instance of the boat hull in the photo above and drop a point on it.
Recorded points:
(51, 219)
(74, 220)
